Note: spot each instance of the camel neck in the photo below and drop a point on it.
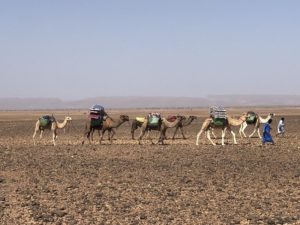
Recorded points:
(62, 125)
(235, 122)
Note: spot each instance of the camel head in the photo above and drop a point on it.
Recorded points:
(271, 115)
(124, 118)
(193, 117)
(68, 118)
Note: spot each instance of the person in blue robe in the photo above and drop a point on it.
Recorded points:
(267, 137)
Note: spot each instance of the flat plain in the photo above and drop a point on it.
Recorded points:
(127, 183)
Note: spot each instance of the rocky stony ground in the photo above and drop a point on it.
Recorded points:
(124, 183)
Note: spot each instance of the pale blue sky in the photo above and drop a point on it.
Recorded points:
(78, 49)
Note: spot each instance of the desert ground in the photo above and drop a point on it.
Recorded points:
(127, 183)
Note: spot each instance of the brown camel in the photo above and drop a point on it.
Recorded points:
(183, 123)
(108, 125)
(209, 124)
(162, 126)
(52, 124)
(256, 121)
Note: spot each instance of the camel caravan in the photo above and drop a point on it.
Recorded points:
(98, 120)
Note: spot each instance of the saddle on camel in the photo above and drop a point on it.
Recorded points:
(154, 119)
(46, 120)
(251, 118)
(97, 115)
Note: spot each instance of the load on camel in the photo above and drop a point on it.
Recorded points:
(154, 121)
(100, 121)
(219, 120)
(47, 122)
(253, 119)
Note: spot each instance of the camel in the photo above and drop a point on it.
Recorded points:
(183, 123)
(162, 126)
(53, 125)
(256, 122)
(108, 125)
(209, 124)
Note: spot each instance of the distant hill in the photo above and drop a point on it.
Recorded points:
(150, 102)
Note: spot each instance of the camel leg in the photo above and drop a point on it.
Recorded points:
(101, 135)
(241, 130)
(54, 137)
(33, 137)
(85, 135)
(141, 136)
(41, 134)
(149, 138)
(134, 126)
(113, 132)
(162, 136)
(198, 136)
(181, 130)
(92, 135)
(213, 133)
(132, 134)
(208, 136)
(258, 132)
(88, 135)
(223, 136)
(176, 129)
(233, 135)
(244, 128)
(255, 130)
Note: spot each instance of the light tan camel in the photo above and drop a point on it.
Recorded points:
(257, 121)
(209, 125)
(109, 125)
(162, 126)
(52, 125)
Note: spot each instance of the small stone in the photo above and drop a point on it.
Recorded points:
(143, 217)
(59, 213)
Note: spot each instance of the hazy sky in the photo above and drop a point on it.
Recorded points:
(78, 49)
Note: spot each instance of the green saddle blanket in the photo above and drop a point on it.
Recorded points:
(153, 121)
(45, 120)
(219, 121)
(96, 122)
(251, 117)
